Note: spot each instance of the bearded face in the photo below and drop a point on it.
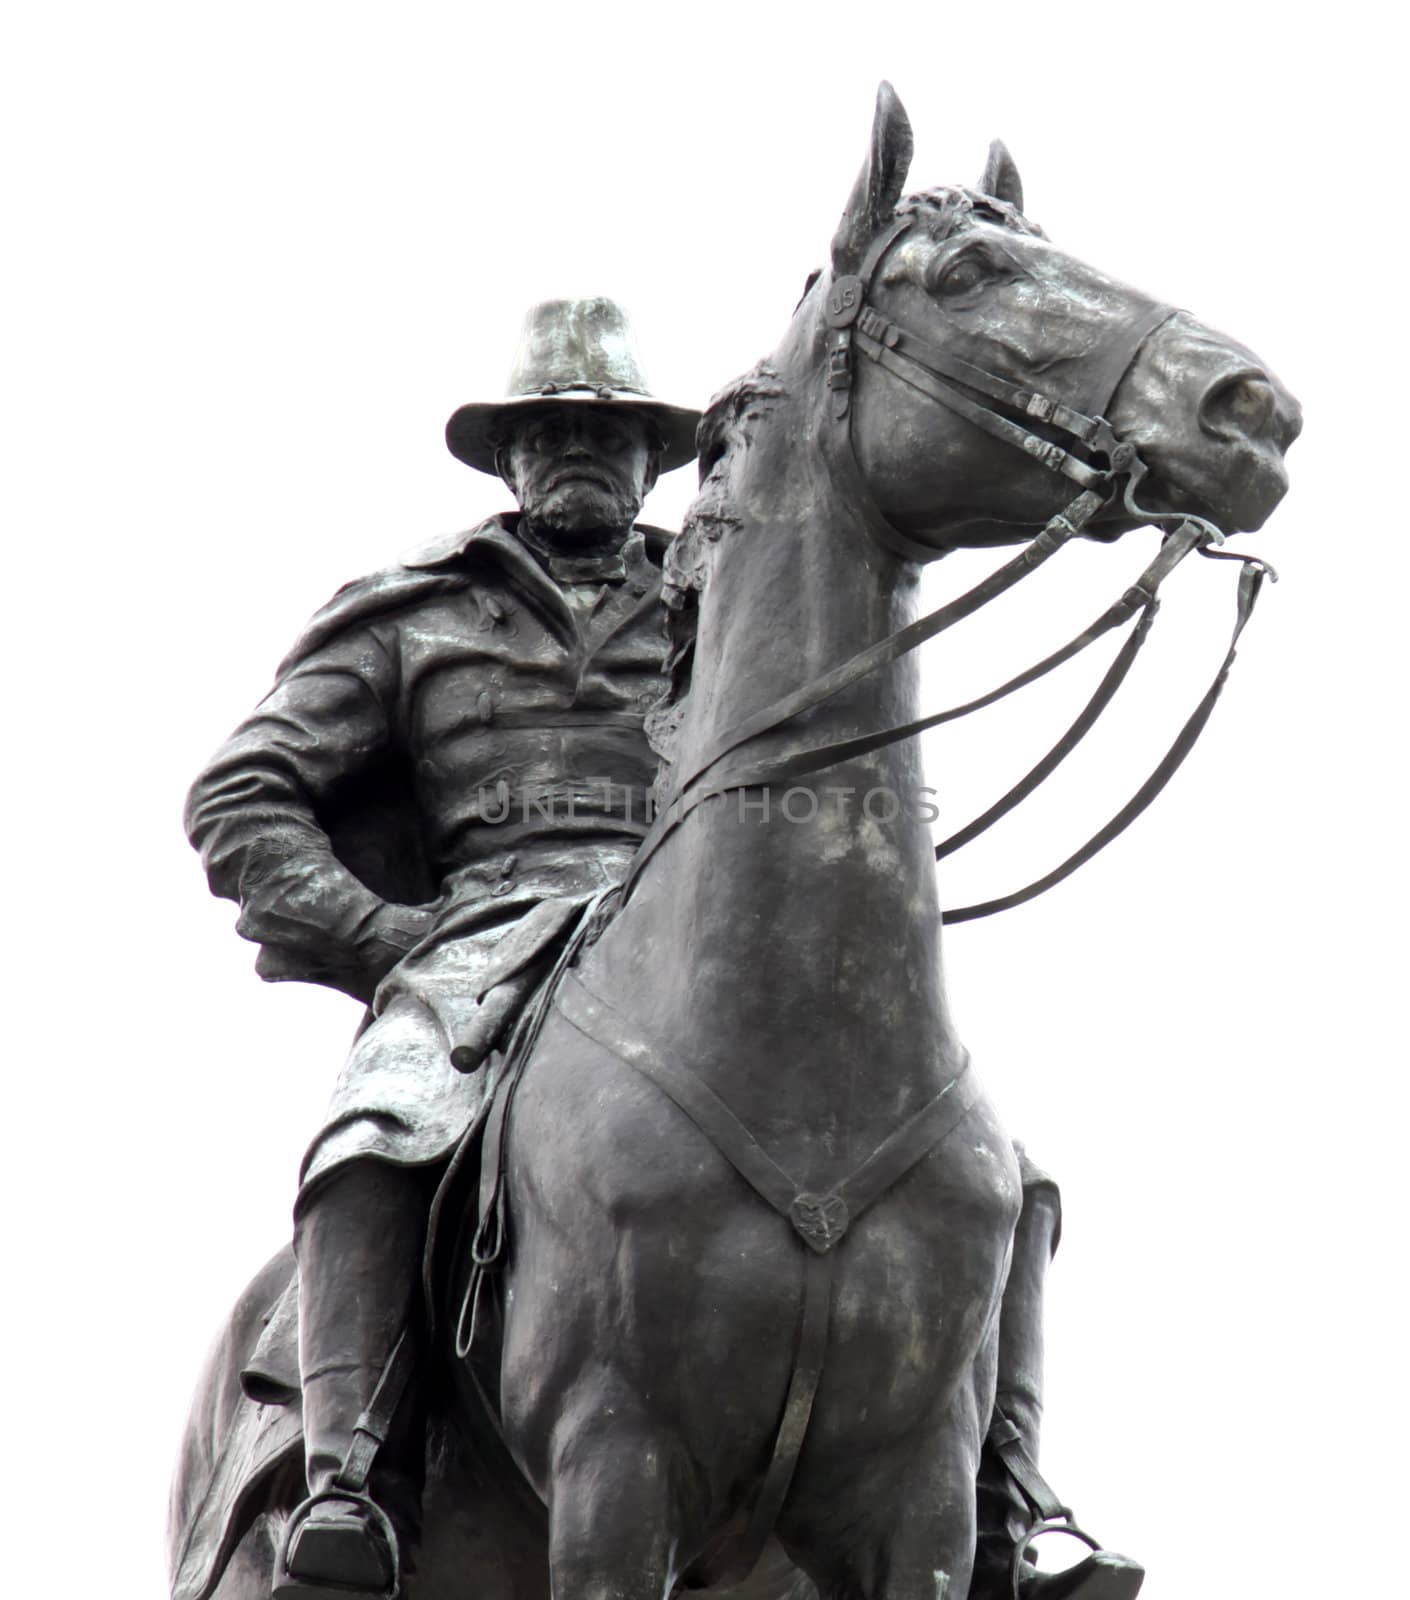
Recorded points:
(579, 471)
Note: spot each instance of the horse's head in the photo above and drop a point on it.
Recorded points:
(979, 346)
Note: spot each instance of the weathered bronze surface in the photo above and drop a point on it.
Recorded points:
(750, 1265)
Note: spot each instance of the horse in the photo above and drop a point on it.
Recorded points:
(760, 1209)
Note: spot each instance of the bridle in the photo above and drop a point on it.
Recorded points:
(1002, 409)
(854, 325)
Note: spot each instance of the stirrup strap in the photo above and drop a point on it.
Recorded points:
(1008, 1445)
(371, 1429)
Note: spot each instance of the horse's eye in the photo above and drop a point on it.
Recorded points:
(963, 275)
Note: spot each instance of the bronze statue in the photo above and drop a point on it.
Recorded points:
(504, 672)
(731, 1268)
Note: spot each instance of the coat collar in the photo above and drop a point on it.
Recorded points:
(496, 542)
(496, 536)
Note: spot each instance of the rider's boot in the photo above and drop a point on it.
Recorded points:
(358, 1241)
(1014, 1501)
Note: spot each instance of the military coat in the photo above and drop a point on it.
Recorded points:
(451, 761)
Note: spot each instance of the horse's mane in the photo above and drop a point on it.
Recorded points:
(948, 210)
(729, 422)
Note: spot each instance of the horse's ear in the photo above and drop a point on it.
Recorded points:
(879, 183)
(1001, 177)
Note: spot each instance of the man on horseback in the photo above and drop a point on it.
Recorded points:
(452, 763)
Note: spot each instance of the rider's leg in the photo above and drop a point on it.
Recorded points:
(1012, 1497)
(358, 1239)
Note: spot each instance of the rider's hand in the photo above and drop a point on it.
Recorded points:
(388, 933)
(319, 923)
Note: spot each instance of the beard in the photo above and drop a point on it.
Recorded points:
(580, 506)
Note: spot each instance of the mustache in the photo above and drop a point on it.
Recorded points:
(581, 475)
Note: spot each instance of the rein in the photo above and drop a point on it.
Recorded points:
(854, 326)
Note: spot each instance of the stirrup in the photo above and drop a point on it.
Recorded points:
(291, 1585)
(1103, 1575)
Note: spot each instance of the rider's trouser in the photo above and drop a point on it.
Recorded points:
(358, 1238)
(1004, 1515)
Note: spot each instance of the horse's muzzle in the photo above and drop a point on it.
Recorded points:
(1212, 424)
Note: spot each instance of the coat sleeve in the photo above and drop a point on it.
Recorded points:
(253, 815)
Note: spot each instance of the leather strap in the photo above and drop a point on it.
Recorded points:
(992, 422)
(1250, 584)
(491, 1233)
(952, 382)
(1082, 724)
(810, 1353)
(1007, 1442)
(688, 1090)
(1141, 596)
(1066, 525)
(903, 349)
(371, 1429)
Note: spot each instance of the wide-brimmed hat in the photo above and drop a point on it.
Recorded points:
(579, 352)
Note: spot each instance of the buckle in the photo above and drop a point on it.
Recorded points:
(839, 365)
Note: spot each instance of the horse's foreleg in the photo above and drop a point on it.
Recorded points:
(908, 1530)
(614, 1509)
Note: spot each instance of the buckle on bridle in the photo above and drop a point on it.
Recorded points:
(839, 367)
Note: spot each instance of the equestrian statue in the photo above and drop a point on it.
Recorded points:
(660, 1234)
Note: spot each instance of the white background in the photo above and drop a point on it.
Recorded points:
(256, 256)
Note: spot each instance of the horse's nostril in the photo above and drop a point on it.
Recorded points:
(1244, 406)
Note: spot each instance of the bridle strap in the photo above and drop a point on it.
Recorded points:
(934, 387)
(1093, 431)
(1066, 525)
(928, 369)
(945, 379)
(1080, 727)
(1140, 597)
(1250, 585)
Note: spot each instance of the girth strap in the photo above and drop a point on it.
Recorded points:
(820, 1219)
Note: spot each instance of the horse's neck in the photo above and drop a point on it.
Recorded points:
(795, 590)
(796, 955)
